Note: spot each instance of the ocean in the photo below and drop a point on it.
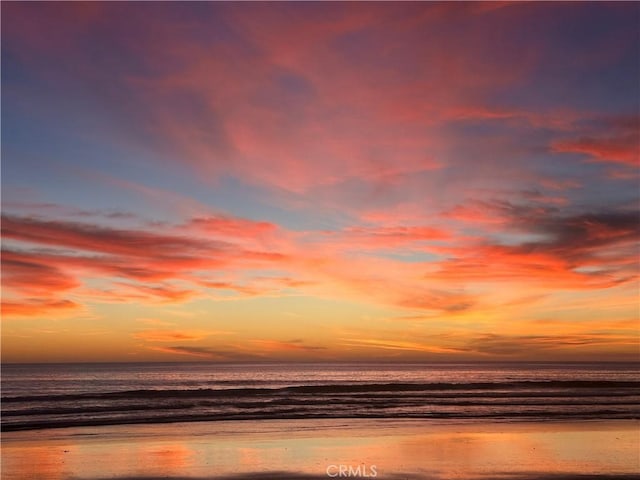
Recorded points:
(37, 396)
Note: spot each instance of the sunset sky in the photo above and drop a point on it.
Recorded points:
(320, 181)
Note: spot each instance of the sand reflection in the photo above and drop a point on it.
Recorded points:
(304, 449)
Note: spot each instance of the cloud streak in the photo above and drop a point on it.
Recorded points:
(614, 140)
(174, 335)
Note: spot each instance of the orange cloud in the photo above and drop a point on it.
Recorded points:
(392, 236)
(385, 344)
(588, 251)
(24, 274)
(200, 352)
(152, 259)
(173, 335)
(37, 307)
(165, 293)
(279, 345)
(516, 345)
(136, 254)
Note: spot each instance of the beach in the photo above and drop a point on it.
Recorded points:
(320, 448)
(315, 421)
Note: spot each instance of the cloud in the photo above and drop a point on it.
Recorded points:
(174, 335)
(165, 293)
(476, 213)
(227, 353)
(233, 227)
(517, 345)
(283, 346)
(357, 96)
(547, 244)
(155, 261)
(556, 250)
(388, 237)
(605, 238)
(582, 235)
(553, 338)
(614, 140)
(33, 288)
(258, 285)
(151, 260)
(94, 238)
(201, 352)
(23, 274)
(27, 307)
(444, 301)
(399, 345)
(620, 149)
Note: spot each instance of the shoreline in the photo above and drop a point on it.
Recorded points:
(304, 449)
(523, 418)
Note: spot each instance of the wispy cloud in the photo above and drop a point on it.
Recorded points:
(175, 335)
(286, 345)
(200, 352)
(614, 140)
(37, 307)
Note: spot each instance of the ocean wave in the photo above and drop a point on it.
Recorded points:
(351, 388)
(513, 401)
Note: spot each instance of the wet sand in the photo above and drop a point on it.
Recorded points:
(323, 449)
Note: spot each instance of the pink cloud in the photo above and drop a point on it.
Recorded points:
(616, 141)
(621, 149)
(296, 115)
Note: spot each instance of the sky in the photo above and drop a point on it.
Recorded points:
(320, 181)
